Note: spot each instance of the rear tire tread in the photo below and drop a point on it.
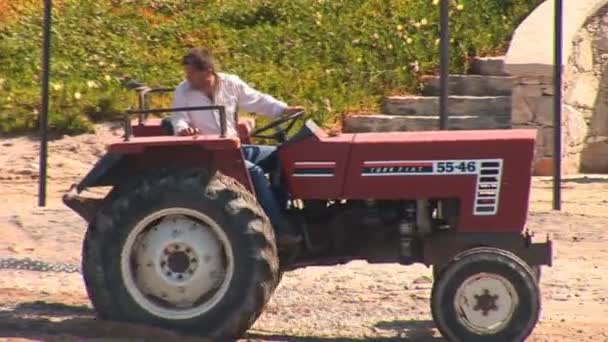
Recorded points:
(237, 205)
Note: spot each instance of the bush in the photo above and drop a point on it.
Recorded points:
(333, 57)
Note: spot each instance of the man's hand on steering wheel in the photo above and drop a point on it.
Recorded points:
(292, 110)
(290, 113)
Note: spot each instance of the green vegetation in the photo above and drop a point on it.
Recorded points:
(332, 56)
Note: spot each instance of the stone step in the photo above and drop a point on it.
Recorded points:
(489, 66)
(470, 85)
(457, 105)
(391, 123)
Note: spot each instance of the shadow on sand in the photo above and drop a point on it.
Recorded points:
(46, 321)
(401, 330)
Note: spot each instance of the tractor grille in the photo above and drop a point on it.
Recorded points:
(488, 187)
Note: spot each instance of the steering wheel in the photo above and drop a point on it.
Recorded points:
(280, 134)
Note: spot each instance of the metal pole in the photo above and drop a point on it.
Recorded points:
(557, 120)
(445, 64)
(46, 57)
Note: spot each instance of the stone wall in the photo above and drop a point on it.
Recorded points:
(585, 101)
(586, 94)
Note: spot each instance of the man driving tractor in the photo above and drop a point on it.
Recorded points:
(205, 86)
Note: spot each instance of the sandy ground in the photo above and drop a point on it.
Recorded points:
(351, 302)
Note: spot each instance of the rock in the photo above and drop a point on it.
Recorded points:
(596, 139)
(471, 85)
(423, 280)
(521, 112)
(584, 92)
(491, 66)
(543, 109)
(388, 123)
(574, 128)
(594, 158)
(457, 105)
(543, 167)
(529, 80)
(584, 55)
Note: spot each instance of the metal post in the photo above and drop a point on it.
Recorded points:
(445, 64)
(557, 120)
(46, 57)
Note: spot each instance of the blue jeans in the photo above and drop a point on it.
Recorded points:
(259, 160)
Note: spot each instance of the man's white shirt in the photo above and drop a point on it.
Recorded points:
(232, 93)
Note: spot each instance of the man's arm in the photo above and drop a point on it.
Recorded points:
(254, 101)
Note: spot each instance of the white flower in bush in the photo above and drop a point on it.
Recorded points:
(77, 95)
(92, 84)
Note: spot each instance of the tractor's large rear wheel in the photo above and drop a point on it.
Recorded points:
(184, 251)
(486, 294)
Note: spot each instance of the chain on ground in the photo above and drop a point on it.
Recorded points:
(37, 265)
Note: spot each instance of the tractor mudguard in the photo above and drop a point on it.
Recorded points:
(134, 158)
(99, 171)
(98, 175)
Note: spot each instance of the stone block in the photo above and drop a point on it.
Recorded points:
(598, 119)
(471, 85)
(490, 66)
(520, 110)
(602, 44)
(545, 139)
(457, 105)
(546, 80)
(596, 139)
(388, 123)
(543, 167)
(583, 57)
(571, 164)
(574, 128)
(543, 110)
(584, 92)
(595, 158)
(548, 90)
(529, 80)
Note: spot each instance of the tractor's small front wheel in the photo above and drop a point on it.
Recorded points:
(486, 294)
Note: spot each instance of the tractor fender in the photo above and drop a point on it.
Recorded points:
(100, 170)
(117, 167)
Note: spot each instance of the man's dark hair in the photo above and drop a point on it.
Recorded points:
(201, 59)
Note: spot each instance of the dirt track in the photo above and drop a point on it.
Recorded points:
(352, 302)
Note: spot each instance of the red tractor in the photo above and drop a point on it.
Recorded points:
(181, 242)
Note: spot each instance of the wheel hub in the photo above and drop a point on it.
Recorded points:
(179, 260)
(179, 265)
(485, 303)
